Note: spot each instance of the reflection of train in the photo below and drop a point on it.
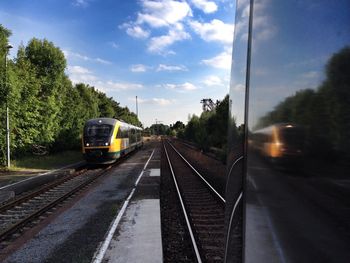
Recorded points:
(106, 139)
(278, 141)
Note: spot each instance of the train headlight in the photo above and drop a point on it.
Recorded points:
(87, 145)
(106, 143)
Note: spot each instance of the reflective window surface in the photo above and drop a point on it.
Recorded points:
(297, 195)
(234, 186)
(293, 161)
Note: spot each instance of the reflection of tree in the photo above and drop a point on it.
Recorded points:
(324, 112)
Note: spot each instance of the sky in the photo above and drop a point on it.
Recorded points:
(169, 53)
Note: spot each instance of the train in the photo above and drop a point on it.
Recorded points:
(279, 141)
(105, 140)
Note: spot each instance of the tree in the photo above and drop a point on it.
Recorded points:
(4, 36)
(49, 63)
(178, 125)
(46, 109)
(210, 129)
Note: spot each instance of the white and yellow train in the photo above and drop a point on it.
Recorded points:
(105, 140)
(279, 141)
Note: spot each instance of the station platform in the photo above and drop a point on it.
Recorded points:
(135, 234)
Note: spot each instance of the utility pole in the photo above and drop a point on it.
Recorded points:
(157, 126)
(8, 47)
(137, 109)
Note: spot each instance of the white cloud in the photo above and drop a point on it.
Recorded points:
(163, 13)
(223, 60)
(78, 74)
(242, 17)
(78, 70)
(187, 86)
(114, 45)
(308, 79)
(206, 6)
(70, 54)
(82, 3)
(239, 87)
(216, 30)
(135, 31)
(163, 67)
(83, 78)
(310, 75)
(138, 68)
(159, 44)
(111, 85)
(102, 61)
(213, 80)
(264, 27)
(157, 14)
(155, 101)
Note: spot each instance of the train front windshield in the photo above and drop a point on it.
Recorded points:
(98, 131)
(293, 136)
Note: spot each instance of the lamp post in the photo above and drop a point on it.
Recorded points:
(8, 47)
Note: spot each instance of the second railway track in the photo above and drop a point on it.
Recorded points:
(29, 207)
(203, 206)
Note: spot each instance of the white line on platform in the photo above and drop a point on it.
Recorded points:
(102, 250)
(154, 172)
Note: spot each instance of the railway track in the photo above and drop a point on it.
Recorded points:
(15, 215)
(202, 205)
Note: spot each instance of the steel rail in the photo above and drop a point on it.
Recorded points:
(230, 223)
(14, 228)
(41, 190)
(194, 243)
(200, 176)
(45, 189)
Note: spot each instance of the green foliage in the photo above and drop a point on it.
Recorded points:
(4, 35)
(159, 129)
(126, 115)
(208, 130)
(46, 110)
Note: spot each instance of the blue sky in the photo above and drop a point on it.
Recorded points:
(169, 53)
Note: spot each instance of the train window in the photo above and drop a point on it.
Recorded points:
(119, 134)
(293, 136)
(297, 184)
(132, 135)
(98, 130)
(138, 135)
(124, 132)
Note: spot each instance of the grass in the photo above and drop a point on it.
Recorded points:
(47, 162)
